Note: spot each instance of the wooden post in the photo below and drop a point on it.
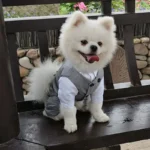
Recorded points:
(9, 124)
(128, 33)
(130, 6)
(106, 10)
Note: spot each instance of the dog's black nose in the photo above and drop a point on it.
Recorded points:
(93, 48)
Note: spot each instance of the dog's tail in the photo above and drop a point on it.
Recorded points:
(40, 78)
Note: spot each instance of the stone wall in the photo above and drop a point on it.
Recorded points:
(30, 58)
(142, 54)
(142, 51)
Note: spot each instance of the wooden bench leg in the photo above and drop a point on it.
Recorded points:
(9, 125)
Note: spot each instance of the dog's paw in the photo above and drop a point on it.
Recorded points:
(28, 97)
(56, 118)
(102, 117)
(70, 127)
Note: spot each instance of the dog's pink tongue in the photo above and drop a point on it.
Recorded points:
(92, 58)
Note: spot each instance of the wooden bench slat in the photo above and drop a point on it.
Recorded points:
(43, 44)
(130, 55)
(12, 47)
(129, 121)
(21, 145)
(126, 92)
(111, 94)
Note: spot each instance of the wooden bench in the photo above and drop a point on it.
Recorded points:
(128, 108)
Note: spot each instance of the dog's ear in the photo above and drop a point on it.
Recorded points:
(77, 18)
(108, 23)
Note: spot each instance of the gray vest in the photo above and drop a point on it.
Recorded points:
(85, 87)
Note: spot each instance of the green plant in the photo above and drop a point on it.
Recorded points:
(66, 8)
(32, 10)
(92, 7)
(117, 5)
(143, 4)
(95, 7)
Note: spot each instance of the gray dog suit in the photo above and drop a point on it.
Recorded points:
(85, 87)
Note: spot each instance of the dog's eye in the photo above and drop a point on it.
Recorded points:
(84, 42)
(100, 43)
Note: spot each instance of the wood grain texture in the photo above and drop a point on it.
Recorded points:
(118, 67)
(129, 121)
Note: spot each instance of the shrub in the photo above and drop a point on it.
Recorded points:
(95, 7)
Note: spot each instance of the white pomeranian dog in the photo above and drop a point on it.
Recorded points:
(88, 46)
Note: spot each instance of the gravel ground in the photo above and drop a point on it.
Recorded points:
(140, 145)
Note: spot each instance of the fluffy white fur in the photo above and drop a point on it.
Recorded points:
(77, 28)
(40, 78)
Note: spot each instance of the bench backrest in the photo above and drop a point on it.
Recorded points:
(42, 24)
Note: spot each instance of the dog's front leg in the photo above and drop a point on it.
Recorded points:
(97, 112)
(66, 94)
(97, 102)
(70, 122)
